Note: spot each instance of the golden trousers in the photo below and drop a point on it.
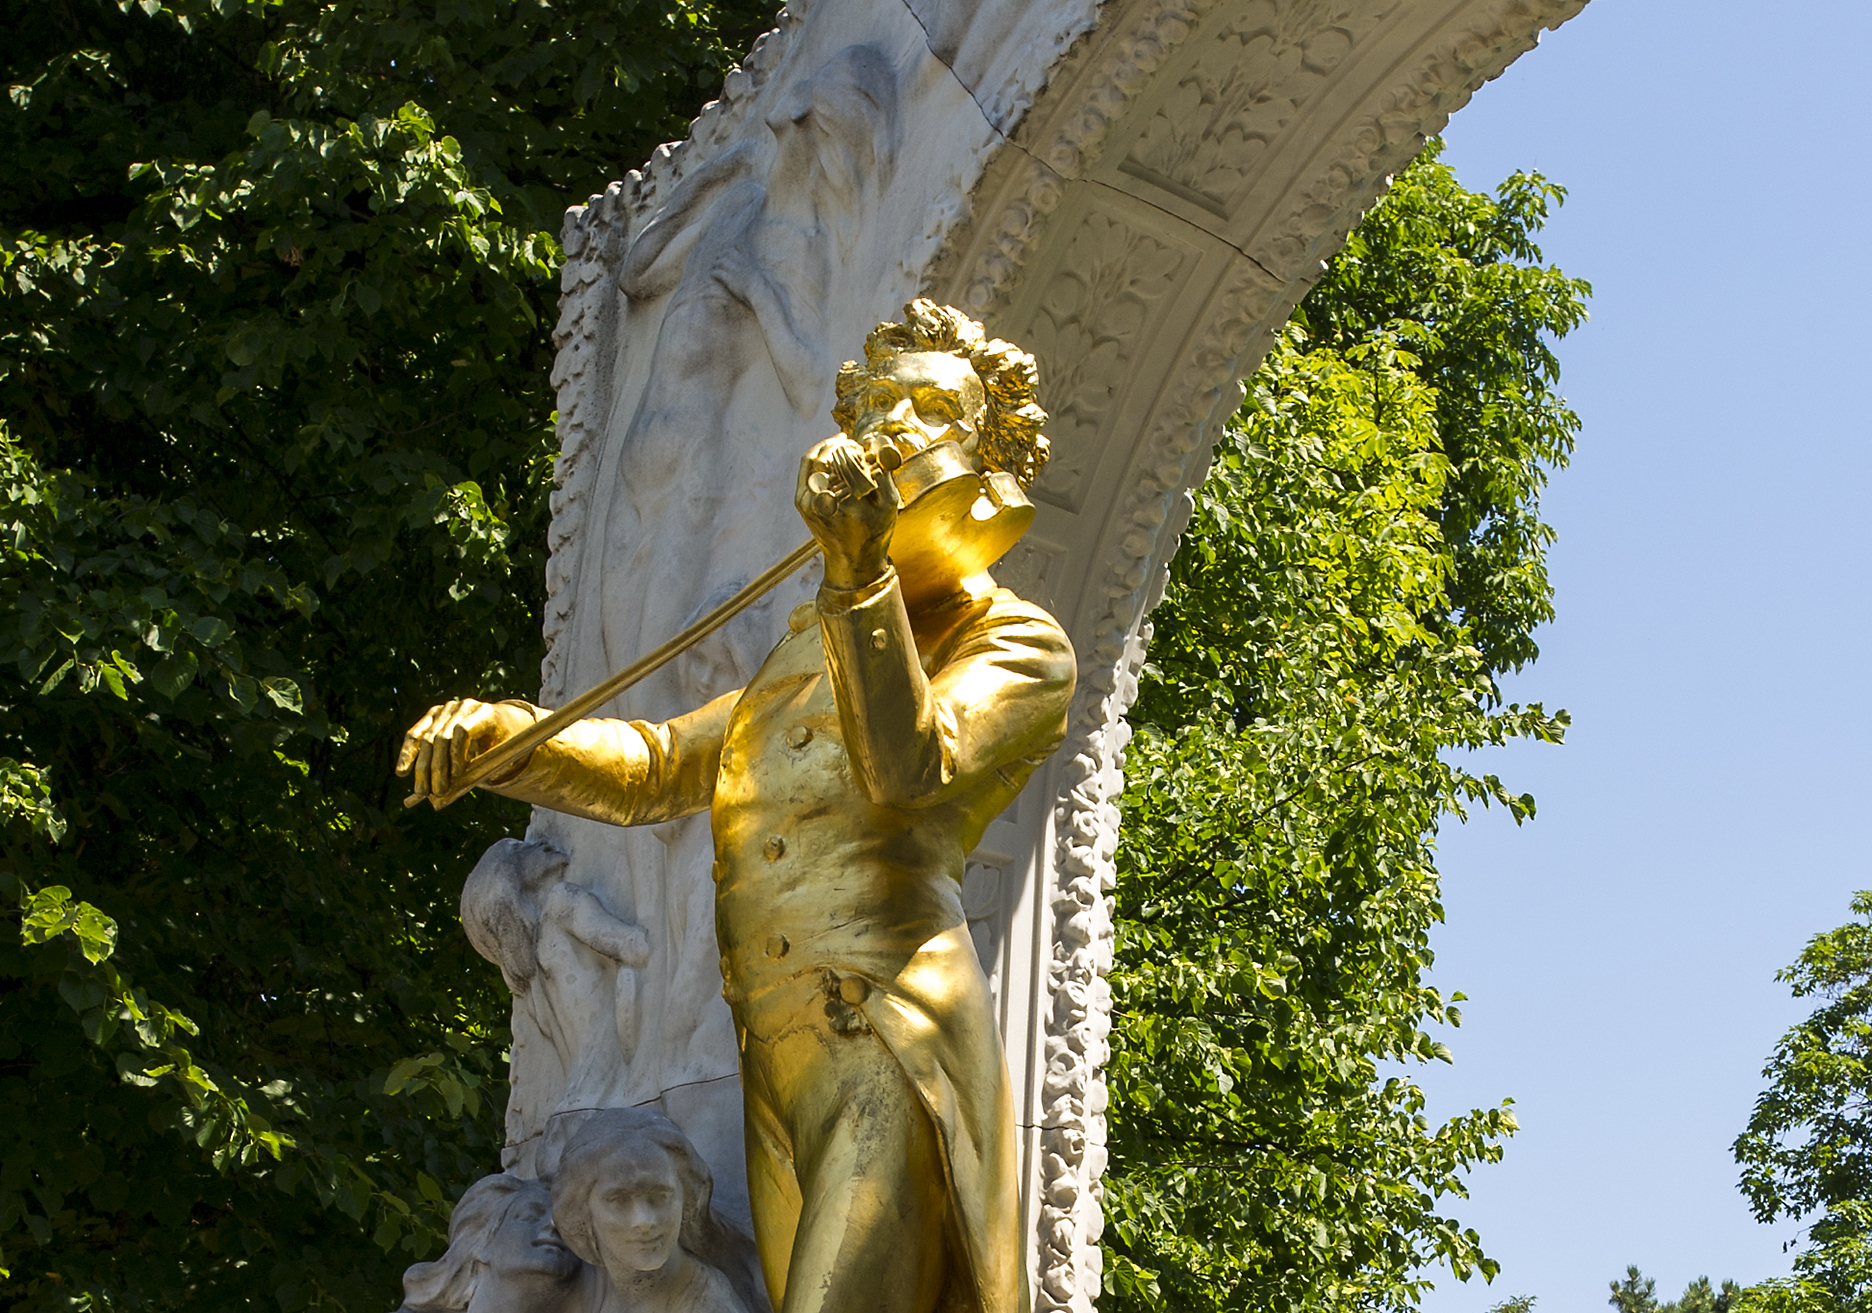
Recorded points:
(845, 1169)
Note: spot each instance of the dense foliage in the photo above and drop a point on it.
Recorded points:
(1365, 558)
(1808, 1146)
(276, 281)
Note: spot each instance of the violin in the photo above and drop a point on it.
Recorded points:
(953, 522)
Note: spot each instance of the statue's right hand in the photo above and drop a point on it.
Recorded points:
(442, 743)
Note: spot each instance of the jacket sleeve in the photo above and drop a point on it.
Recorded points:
(996, 702)
(627, 772)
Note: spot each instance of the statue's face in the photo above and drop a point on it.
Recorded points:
(920, 398)
(637, 1211)
(527, 1263)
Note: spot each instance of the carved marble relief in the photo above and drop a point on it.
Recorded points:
(622, 1223)
(982, 896)
(743, 256)
(1092, 319)
(503, 1256)
(1255, 74)
(572, 966)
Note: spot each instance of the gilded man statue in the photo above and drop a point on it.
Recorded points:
(846, 784)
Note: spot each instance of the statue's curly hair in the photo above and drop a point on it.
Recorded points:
(1009, 436)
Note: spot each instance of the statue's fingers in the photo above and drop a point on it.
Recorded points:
(419, 768)
(416, 740)
(848, 463)
(412, 744)
(434, 761)
(813, 479)
(884, 452)
(438, 760)
(458, 750)
(452, 743)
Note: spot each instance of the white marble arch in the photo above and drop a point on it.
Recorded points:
(1138, 191)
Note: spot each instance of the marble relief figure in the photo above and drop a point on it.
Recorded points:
(745, 251)
(624, 1224)
(726, 285)
(631, 1196)
(572, 966)
(504, 1256)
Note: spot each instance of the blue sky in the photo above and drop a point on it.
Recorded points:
(1707, 814)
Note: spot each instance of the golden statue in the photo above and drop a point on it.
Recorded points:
(846, 784)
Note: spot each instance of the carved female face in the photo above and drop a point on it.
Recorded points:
(918, 398)
(637, 1210)
(527, 1267)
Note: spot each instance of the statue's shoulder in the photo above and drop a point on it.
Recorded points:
(710, 1292)
(1005, 607)
(1006, 629)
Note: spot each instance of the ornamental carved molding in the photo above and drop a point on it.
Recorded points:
(1232, 102)
(1087, 332)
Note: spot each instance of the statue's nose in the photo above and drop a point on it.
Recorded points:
(898, 419)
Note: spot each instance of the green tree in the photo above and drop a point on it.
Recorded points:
(1700, 1296)
(276, 286)
(1637, 1293)
(1364, 559)
(1808, 1146)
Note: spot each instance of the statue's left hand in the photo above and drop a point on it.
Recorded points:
(853, 526)
(443, 742)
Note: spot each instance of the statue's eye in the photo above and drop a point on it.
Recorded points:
(937, 406)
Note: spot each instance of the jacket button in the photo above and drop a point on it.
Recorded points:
(798, 737)
(774, 848)
(879, 640)
(854, 990)
(778, 946)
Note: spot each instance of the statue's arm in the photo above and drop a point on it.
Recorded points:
(796, 353)
(626, 772)
(581, 914)
(653, 263)
(1000, 695)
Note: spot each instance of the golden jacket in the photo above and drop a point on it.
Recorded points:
(847, 783)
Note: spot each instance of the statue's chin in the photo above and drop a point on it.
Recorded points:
(630, 1262)
(533, 1287)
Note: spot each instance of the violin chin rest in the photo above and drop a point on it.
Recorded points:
(954, 522)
